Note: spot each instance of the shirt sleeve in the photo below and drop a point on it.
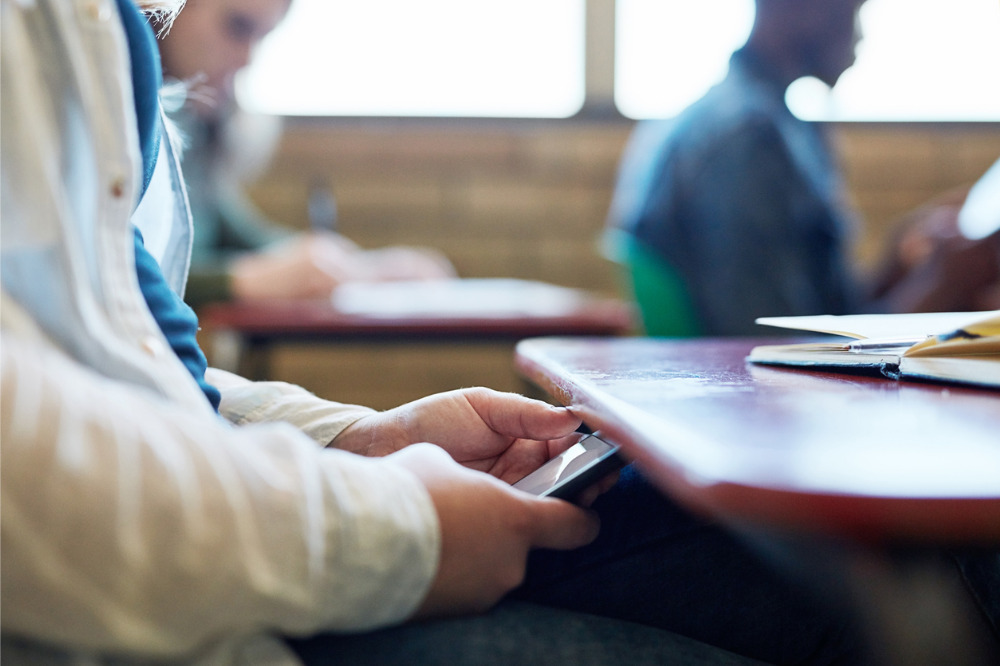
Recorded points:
(245, 402)
(131, 525)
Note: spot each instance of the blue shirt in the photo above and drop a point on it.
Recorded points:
(743, 201)
(177, 321)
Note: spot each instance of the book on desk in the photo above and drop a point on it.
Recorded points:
(961, 347)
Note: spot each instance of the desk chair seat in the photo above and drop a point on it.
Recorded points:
(664, 303)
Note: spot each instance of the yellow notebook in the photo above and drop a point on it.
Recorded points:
(961, 347)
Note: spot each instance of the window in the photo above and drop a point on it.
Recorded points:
(514, 58)
(668, 53)
(919, 60)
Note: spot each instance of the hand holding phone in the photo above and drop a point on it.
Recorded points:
(574, 470)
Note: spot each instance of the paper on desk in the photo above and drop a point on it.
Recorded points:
(915, 326)
(960, 347)
(479, 297)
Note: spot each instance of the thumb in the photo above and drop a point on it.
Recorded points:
(518, 416)
(560, 525)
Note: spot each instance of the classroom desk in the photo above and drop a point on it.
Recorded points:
(849, 455)
(242, 335)
(853, 485)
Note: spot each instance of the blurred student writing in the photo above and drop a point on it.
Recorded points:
(238, 253)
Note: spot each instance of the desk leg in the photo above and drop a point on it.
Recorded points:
(234, 352)
(227, 349)
(255, 361)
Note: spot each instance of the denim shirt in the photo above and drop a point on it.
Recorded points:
(744, 201)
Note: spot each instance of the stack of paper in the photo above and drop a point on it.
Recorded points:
(468, 297)
(959, 347)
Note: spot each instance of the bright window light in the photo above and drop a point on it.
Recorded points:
(920, 60)
(515, 58)
(668, 53)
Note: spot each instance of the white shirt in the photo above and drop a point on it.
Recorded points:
(135, 521)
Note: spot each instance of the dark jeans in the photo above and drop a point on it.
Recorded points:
(517, 634)
(674, 585)
(656, 563)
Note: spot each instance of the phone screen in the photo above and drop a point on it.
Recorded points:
(581, 465)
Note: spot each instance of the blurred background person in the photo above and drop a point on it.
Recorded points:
(736, 209)
(238, 252)
(950, 235)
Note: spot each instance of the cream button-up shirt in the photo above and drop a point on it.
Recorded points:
(134, 521)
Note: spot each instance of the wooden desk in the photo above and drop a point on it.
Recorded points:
(241, 335)
(866, 457)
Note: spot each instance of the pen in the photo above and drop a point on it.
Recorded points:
(322, 207)
(882, 344)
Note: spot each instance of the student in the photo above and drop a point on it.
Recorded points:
(139, 523)
(136, 522)
(953, 235)
(735, 209)
(238, 252)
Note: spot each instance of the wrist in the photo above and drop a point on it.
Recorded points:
(375, 435)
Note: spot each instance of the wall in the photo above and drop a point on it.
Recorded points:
(499, 199)
(528, 199)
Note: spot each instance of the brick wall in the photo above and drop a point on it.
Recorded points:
(528, 199)
(499, 200)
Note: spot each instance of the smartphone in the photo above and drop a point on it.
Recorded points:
(574, 470)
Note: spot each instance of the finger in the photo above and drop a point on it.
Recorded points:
(589, 495)
(521, 458)
(608, 482)
(517, 416)
(561, 444)
(560, 525)
(524, 456)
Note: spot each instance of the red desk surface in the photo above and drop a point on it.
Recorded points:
(583, 314)
(865, 456)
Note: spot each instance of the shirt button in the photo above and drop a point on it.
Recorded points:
(118, 187)
(98, 11)
(153, 346)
